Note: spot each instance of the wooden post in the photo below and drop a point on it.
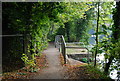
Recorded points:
(88, 56)
(55, 41)
(60, 43)
(63, 49)
(64, 54)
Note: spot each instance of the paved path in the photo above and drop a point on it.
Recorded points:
(54, 69)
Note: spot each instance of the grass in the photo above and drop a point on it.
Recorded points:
(96, 73)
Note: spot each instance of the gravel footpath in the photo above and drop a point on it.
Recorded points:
(54, 69)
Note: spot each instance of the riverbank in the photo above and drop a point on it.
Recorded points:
(86, 72)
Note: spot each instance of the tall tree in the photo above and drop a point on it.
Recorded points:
(115, 35)
(96, 50)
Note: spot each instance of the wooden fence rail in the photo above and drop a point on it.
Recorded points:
(61, 45)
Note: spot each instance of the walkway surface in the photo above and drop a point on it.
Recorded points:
(54, 69)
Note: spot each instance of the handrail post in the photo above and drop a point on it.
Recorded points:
(64, 53)
(63, 46)
(88, 55)
(60, 43)
(55, 41)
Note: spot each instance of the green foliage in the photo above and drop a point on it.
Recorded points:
(107, 44)
(116, 53)
(74, 10)
(76, 28)
(84, 60)
(40, 22)
(67, 20)
(97, 73)
(27, 61)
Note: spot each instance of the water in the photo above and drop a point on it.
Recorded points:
(113, 73)
(101, 60)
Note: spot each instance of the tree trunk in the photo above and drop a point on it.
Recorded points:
(67, 31)
(116, 33)
(116, 26)
(107, 65)
(96, 51)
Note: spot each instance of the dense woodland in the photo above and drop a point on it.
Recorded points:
(34, 24)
